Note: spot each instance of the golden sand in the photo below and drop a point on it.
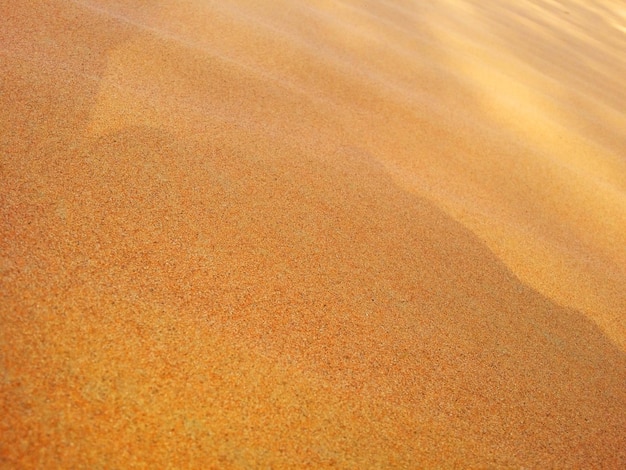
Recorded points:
(287, 234)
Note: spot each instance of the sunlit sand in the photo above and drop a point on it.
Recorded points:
(288, 234)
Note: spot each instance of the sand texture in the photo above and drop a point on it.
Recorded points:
(312, 234)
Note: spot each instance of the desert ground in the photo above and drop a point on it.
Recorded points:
(313, 234)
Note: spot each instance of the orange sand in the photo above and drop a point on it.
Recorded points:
(352, 234)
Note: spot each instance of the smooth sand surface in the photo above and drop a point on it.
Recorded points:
(287, 234)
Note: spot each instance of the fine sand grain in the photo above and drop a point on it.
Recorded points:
(287, 234)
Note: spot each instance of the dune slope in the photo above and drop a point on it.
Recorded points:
(354, 234)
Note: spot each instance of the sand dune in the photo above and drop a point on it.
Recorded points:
(355, 234)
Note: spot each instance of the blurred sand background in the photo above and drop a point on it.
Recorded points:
(287, 234)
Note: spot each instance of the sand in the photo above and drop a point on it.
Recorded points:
(321, 234)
